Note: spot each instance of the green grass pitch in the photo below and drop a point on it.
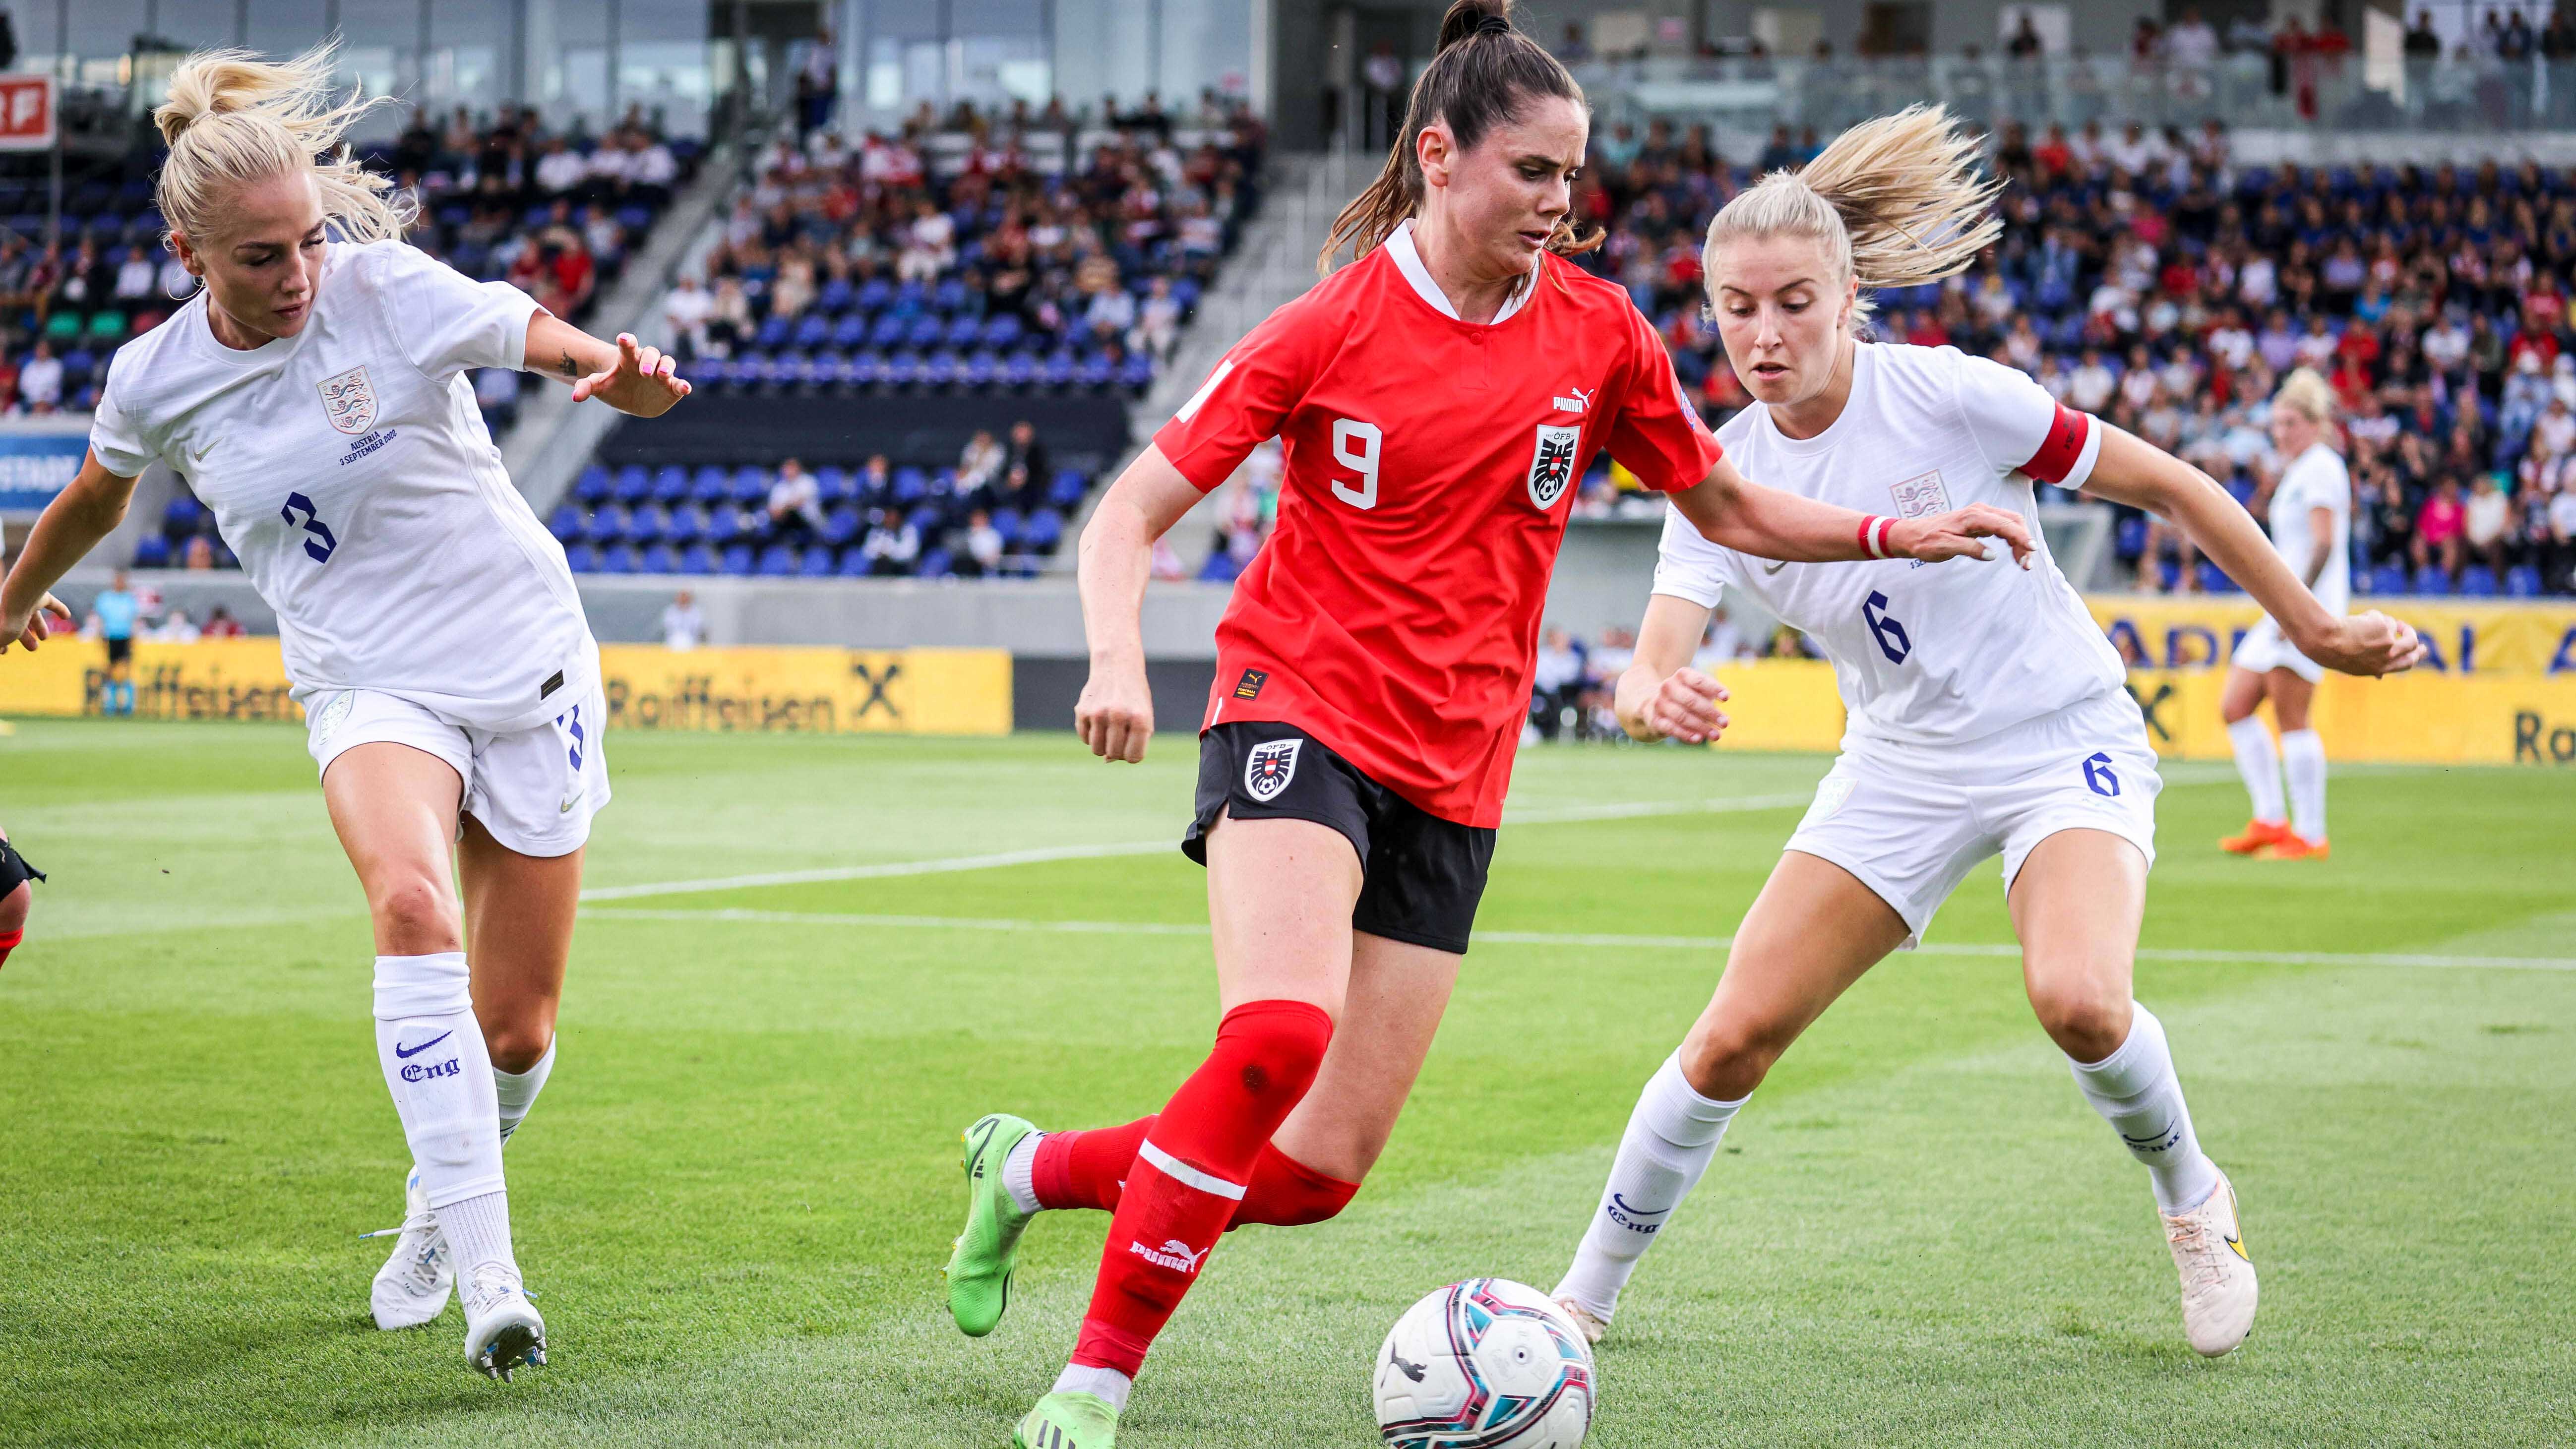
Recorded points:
(736, 1195)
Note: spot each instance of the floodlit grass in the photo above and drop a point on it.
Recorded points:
(734, 1199)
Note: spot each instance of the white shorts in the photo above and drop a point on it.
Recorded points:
(535, 789)
(2263, 650)
(1910, 821)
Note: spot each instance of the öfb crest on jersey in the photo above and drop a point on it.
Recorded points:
(1552, 464)
(349, 400)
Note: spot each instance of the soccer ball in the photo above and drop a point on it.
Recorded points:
(1485, 1364)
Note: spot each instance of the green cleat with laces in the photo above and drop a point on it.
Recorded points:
(979, 1265)
(1068, 1421)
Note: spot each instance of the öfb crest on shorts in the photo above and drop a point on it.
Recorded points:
(1269, 768)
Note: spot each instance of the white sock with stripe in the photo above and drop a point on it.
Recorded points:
(1108, 1383)
(1671, 1138)
(2137, 1092)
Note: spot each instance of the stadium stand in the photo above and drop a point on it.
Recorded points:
(2148, 277)
(1001, 262)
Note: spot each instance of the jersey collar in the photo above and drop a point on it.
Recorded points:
(1408, 260)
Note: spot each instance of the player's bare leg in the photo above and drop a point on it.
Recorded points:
(395, 809)
(1813, 931)
(1280, 895)
(2076, 905)
(519, 912)
(1396, 996)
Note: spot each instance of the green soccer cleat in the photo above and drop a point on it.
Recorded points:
(1068, 1421)
(979, 1265)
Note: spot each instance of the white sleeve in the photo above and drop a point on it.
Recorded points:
(1688, 566)
(446, 321)
(2019, 427)
(116, 437)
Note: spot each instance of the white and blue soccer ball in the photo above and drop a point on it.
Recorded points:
(1485, 1364)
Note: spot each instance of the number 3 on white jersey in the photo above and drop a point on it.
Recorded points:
(1355, 446)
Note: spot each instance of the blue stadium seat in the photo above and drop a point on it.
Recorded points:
(1137, 373)
(704, 370)
(964, 332)
(1020, 371)
(903, 370)
(888, 332)
(2477, 581)
(648, 524)
(817, 563)
(2522, 581)
(183, 515)
(151, 551)
(842, 524)
(982, 368)
(708, 485)
(594, 485)
(854, 565)
(1001, 330)
(942, 370)
(750, 485)
(2431, 580)
(814, 331)
(866, 369)
(619, 560)
(737, 560)
(1007, 522)
(935, 564)
(911, 485)
(634, 485)
(925, 332)
(773, 333)
(670, 484)
(850, 331)
(2389, 578)
(836, 296)
(1058, 372)
(688, 524)
(876, 294)
(1093, 373)
(566, 522)
(832, 485)
(949, 296)
(659, 559)
(910, 299)
(608, 525)
(1068, 488)
(582, 558)
(1045, 530)
(777, 561)
(698, 559)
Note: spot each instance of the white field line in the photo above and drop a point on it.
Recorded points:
(884, 870)
(1555, 938)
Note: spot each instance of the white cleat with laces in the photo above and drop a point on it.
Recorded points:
(2217, 1276)
(411, 1288)
(502, 1329)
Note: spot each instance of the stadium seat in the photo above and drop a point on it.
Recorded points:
(750, 485)
(911, 485)
(903, 370)
(566, 522)
(151, 551)
(1045, 530)
(2389, 578)
(1067, 489)
(832, 485)
(737, 560)
(608, 525)
(688, 524)
(777, 561)
(634, 485)
(697, 558)
(670, 485)
(582, 558)
(621, 559)
(2432, 581)
(2522, 581)
(2477, 581)
(942, 371)
(817, 562)
(649, 524)
(181, 516)
(659, 559)
(708, 486)
(854, 565)
(935, 564)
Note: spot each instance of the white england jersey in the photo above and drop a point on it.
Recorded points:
(349, 470)
(2316, 479)
(1924, 654)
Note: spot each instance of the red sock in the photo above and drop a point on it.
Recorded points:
(1190, 1172)
(9, 942)
(1086, 1169)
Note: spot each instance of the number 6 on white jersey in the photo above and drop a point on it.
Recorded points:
(1355, 446)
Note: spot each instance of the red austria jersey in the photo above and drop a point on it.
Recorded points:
(1394, 613)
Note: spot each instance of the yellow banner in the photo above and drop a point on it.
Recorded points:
(2159, 631)
(2418, 718)
(904, 691)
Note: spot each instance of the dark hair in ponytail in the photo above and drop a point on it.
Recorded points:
(1483, 72)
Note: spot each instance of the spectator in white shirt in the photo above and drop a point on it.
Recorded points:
(892, 546)
(796, 494)
(651, 168)
(2089, 388)
(983, 546)
(1158, 322)
(2554, 435)
(683, 627)
(40, 382)
(561, 169)
(2191, 44)
(134, 279)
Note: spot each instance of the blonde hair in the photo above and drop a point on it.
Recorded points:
(1896, 202)
(2307, 394)
(234, 118)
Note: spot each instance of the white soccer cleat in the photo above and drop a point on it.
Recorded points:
(411, 1288)
(1593, 1328)
(502, 1329)
(2217, 1276)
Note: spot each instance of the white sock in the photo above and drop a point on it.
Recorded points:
(1108, 1383)
(2303, 755)
(431, 1049)
(1670, 1140)
(1019, 1172)
(2136, 1091)
(516, 1092)
(478, 1232)
(2260, 764)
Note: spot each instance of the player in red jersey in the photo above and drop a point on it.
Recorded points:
(1437, 400)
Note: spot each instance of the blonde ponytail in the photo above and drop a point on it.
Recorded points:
(233, 118)
(1896, 202)
(2306, 393)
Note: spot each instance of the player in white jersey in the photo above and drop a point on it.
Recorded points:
(2311, 518)
(314, 392)
(1986, 714)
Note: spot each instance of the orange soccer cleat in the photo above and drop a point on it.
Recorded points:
(2258, 834)
(2292, 846)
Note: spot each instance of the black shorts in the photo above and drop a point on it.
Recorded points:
(14, 869)
(119, 651)
(1421, 875)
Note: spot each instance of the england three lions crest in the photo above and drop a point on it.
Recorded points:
(349, 400)
(1552, 465)
(1920, 496)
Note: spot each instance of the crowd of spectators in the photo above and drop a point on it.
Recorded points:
(2149, 277)
(555, 213)
(1001, 510)
(1012, 251)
